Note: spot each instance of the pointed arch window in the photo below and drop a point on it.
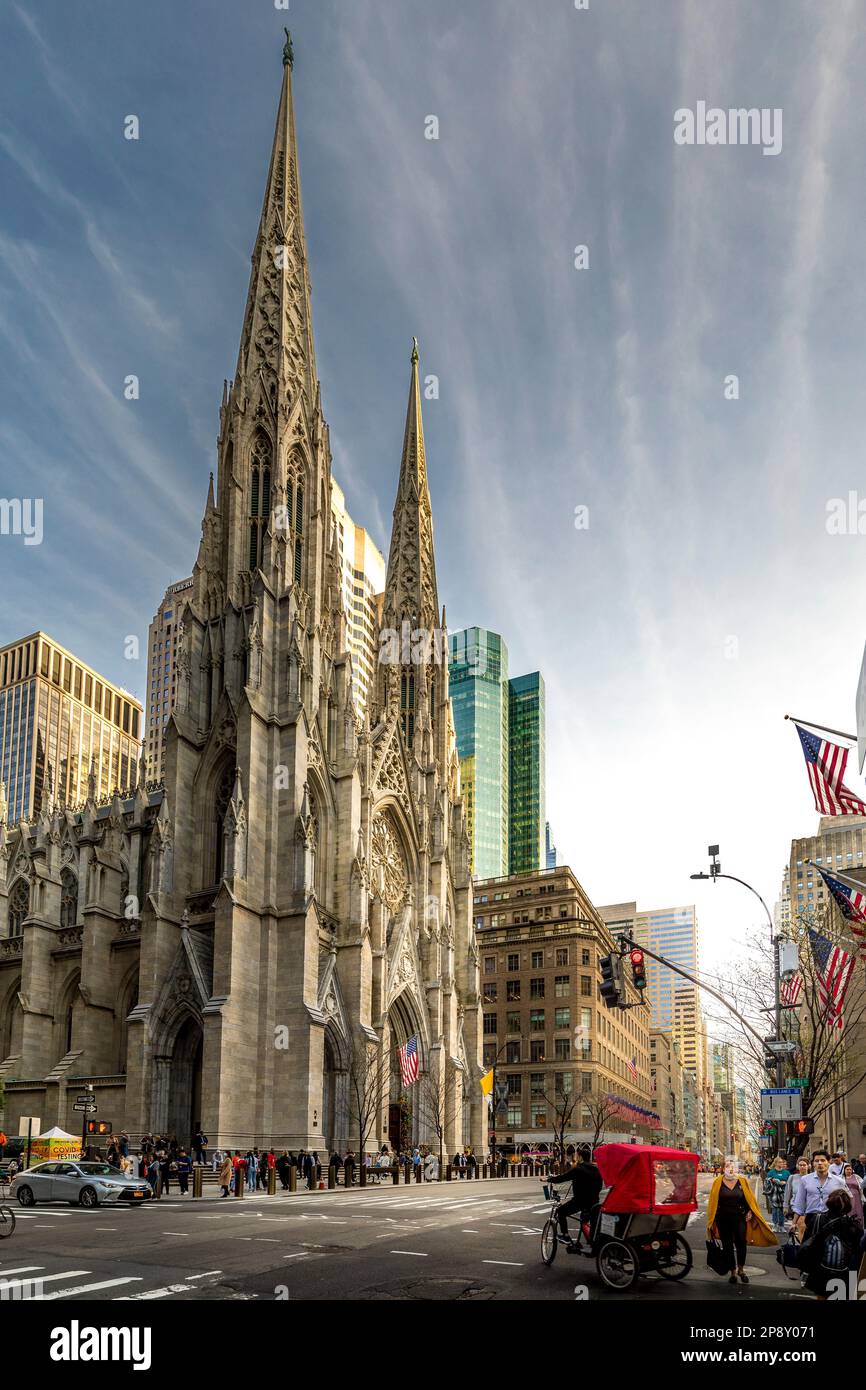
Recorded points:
(296, 515)
(260, 496)
(407, 705)
(221, 806)
(68, 899)
(19, 906)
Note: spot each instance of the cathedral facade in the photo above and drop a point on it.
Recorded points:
(248, 944)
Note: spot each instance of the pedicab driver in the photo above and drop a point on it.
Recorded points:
(586, 1184)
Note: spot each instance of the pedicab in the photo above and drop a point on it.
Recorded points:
(637, 1225)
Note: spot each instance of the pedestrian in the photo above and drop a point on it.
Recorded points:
(833, 1249)
(200, 1143)
(812, 1194)
(226, 1175)
(792, 1184)
(336, 1162)
(859, 1165)
(217, 1160)
(472, 1163)
(855, 1191)
(252, 1168)
(734, 1218)
(152, 1173)
(237, 1163)
(431, 1168)
(308, 1170)
(124, 1144)
(183, 1164)
(167, 1167)
(282, 1167)
(838, 1165)
(777, 1178)
(349, 1169)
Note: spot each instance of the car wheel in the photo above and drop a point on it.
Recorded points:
(25, 1197)
(87, 1197)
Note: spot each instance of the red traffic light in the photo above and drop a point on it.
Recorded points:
(637, 956)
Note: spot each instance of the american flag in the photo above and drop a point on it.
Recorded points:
(632, 1066)
(408, 1055)
(825, 763)
(850, 902)
(790, 992)
(833, 970)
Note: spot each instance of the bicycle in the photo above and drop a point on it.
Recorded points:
(7, 1222)
(551, 1235)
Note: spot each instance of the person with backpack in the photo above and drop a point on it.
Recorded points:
(833, 1248)
(774, 1189)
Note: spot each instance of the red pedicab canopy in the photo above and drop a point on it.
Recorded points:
(647, 1178)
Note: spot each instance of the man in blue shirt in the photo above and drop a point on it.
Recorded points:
(813, 1191)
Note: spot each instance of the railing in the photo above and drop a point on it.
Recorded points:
(12, 946)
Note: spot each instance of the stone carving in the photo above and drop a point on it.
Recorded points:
(388, 864)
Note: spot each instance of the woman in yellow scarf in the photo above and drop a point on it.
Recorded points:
(734, 1218)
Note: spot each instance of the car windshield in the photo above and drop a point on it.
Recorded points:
(104, 1170)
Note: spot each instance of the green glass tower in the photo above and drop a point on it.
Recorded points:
(478, 684)
(526, 758)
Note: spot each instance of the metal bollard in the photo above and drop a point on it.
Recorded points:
(447, 1172)
(158, 1189)
(395, 1174)
(272, 1182)
(419, 1173)
(240, 1176)
(293, 1178)
(196, 1181)
(332, 1177)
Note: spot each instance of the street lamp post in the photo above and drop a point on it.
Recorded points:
(716, 872)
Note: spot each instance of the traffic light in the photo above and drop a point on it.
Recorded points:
(804, 1127)
(98, 1126)
(612, 983)
(638, 968)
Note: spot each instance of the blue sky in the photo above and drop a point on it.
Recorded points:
(706, 598)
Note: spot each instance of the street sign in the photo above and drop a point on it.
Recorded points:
(89, 1108)
(799, 1081)
(85, 1098)
(29, 1124)
(782, 1103)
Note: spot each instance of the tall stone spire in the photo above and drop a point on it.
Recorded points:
(277, 339)
(410, 588)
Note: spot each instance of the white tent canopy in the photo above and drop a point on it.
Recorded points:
(58, 1133)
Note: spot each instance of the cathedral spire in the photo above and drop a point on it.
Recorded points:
(410, 588)
(276, 350)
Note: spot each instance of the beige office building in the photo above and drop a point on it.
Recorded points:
(161, 674)
(57, 715)
(546, 1029)
(363, 575)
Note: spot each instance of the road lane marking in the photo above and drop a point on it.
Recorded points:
(20, 1269)
(469, 1233)
(87, 1288)
(207, 1274)
(156, 1293)
(67, 1274)
(175, 1233)
(105, 1228)
(518, 1264)
(298, 1255)
(421, 1254)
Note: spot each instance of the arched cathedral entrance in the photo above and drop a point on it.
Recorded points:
(184, 1089)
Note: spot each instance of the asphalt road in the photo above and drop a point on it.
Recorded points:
(462, 1240)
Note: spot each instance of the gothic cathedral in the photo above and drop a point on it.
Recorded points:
(245, 944)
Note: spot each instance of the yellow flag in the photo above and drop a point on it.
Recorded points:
(487, 1083)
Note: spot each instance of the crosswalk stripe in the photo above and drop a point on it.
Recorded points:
(90, 1288)
(158, 1293)
(49, 1278)
(21, 1269)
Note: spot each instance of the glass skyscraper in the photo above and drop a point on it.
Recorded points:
(478, 683)
(499, 724)
(526, 762)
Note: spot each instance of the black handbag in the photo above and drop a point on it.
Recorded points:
(716, 1257)
(789, 1255)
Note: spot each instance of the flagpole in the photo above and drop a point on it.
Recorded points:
(822, 727)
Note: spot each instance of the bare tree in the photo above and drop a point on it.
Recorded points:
(562, 1102)
(440, 1100)
(831, 1060)
(602, 1109)
(368, 1078)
